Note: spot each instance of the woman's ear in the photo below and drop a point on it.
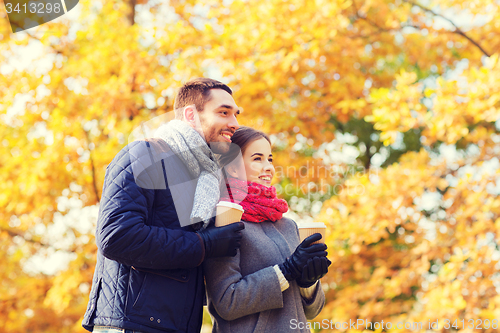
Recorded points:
(231, 170)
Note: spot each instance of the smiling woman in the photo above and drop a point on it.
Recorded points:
(256, 164)
(260, 289)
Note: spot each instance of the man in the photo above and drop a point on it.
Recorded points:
(157, 197)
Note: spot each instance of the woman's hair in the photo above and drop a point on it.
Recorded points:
(240, 141)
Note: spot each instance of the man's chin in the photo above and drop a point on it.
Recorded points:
(219, 147)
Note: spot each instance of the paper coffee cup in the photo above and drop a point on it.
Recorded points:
(307, 229)
(227, 213)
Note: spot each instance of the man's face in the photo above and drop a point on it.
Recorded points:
(218, 120)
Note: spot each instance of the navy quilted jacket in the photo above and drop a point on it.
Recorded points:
(148, 275)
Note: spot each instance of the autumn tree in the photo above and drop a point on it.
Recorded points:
(87, 82)
(383, 114)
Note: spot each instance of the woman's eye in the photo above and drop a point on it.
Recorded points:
(257, 159)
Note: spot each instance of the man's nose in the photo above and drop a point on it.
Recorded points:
(233, 123)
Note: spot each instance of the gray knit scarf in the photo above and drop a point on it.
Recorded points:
(193, 150)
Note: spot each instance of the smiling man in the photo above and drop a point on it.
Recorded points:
(157, 199)
(214, 114)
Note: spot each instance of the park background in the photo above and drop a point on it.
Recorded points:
(384, 120)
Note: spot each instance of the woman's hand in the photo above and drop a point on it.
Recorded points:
(315, 269)
(292, 267)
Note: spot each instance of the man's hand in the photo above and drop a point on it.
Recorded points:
(222, 241)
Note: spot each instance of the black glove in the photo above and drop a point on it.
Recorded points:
(293, 266)
(315, 269)
(222, 241)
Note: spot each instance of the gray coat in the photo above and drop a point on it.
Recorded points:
(244, 293)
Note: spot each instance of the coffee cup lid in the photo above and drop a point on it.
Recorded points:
(311, 225)
(230, 205)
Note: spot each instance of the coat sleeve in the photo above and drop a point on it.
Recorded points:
(234, 296)
(313, 306)
(122, 232)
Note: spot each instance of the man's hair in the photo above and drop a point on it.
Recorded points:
(196, 92)
(240, 140)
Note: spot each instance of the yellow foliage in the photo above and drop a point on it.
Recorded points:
(413, 241)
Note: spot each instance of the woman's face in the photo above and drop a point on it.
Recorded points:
(257, 163)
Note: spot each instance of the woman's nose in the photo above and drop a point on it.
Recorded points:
(268, 166)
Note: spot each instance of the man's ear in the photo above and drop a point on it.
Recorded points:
(192, 118)
(190, 115)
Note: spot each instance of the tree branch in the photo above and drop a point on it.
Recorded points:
(16, 233)
(363, 17)
(13, 233)
(52, 46)
(379, 28)
(368, 155)
(92, 166)
(131, 15)
(457, 29)
(94, 183)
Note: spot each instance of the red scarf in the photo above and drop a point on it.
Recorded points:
(258, 201)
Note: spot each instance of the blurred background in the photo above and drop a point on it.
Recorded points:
(384, 121)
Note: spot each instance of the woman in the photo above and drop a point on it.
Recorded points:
(272, 284)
